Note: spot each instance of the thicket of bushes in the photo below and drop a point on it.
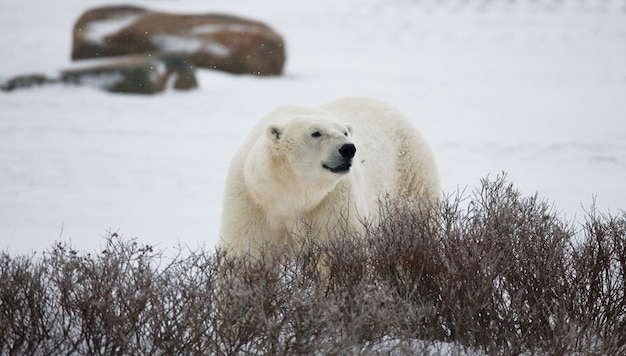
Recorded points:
(496, 273)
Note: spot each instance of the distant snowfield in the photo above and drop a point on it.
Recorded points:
(534, 88)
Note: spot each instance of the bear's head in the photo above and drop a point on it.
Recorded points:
(314, 147)
(298, 160)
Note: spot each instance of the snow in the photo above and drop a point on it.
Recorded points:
(183, 44)
(96, 31)
(210, 29)
(174, 43)
(535, 88)
(106, 80)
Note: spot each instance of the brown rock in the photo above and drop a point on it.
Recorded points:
(222, 42)
(25, 81)
(137, 74)
(140, 74)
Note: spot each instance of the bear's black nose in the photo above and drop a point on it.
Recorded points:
(347, 150)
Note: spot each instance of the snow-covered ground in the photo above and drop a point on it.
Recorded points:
(535, 88)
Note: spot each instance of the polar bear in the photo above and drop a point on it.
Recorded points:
(324, 168)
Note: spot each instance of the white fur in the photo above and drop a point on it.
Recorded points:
(277, 180)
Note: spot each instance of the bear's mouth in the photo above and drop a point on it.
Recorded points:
(342, 168)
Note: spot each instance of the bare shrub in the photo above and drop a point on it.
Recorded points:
(492, 272)
(599, 283)
(23, 298)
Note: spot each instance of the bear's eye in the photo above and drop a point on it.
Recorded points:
(316, 134)
(345, 134)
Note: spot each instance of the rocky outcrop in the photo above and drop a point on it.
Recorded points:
(227, 43)
(137, 74)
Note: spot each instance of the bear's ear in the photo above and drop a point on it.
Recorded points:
(350, 129)
(274, 132)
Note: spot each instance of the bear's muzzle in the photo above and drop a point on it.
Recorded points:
(342, 163)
